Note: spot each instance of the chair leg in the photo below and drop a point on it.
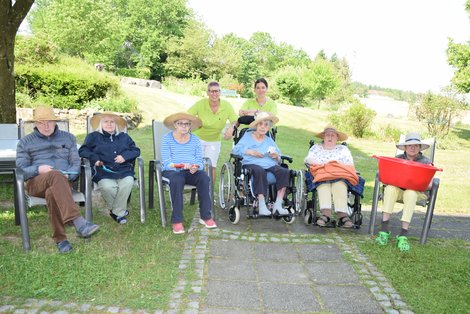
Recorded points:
(143, 210)
(375, 200)
(161, 198)
(429, 212)
(193, 197)
(22, 215)
(151, 184)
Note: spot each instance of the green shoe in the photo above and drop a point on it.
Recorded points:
(402, 244)
(383, 238)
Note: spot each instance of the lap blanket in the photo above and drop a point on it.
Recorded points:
(358, 188)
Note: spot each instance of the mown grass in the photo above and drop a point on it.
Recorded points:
(433, 278)
(136, 265)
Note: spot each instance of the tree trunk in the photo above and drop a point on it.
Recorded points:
(11, 17)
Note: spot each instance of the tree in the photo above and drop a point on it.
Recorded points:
(88, 29)
(187, 55)
(322, 79)
(458, 56)
(437, 112)
(11, 16)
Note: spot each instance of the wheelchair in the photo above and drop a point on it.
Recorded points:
(311, 206)
(236, 188)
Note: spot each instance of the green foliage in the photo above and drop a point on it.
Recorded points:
(290, 84)
(437, 112)
(459, 57)
(67, 84)
(87, 28)
(356, 119)
(389, 133)
(116, 104)
(35, 49)
(143, 73)
(194, 87)
(322, 79)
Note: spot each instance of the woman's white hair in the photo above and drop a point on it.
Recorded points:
(100, 126)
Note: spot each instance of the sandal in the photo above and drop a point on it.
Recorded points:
(323, 220)
(345, 222)
(403, 244)
(383, 238)
(120, 219)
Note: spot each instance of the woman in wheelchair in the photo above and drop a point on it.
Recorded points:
(412, 147)
(332, 168)
(261, 155)
(182, 163)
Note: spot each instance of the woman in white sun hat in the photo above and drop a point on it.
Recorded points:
(111, 152)
(412, 147)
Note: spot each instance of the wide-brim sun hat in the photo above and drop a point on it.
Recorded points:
(263, 116)
(120, 121)
(412, 138)
(44, 113)
(169, 121)
(341, 136)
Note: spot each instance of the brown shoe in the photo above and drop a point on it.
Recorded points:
(345, 222)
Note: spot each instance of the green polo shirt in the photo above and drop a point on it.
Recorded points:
(269, 106)
(212, 123)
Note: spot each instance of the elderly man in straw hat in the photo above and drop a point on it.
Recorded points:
(182, 163)
(50, 162)
(112, 152)
(412, 147)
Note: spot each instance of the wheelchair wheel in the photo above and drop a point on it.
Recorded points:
(300, 200)
(308, 217)
(234, 215)
(290, 218)
(226, 182)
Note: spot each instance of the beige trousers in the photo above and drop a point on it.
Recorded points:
(392, 194)
(338, 191)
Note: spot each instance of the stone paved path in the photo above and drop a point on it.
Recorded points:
(267, 266)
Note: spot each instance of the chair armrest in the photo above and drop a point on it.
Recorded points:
(236, 157)
(285, 157)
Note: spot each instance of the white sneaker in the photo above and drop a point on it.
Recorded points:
(281, 210)
(264, 211)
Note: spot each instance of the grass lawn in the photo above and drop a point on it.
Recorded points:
(136, 265)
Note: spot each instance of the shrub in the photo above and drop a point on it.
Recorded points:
(194, 86)
(34, 50)
(356, 119)
(67, 84)
(143, 73)
(117, 104)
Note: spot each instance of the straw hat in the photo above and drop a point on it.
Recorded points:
(263, 116)
(341, 136)
(120, 121)
(412, 138)
(44, 113)
(169, 121)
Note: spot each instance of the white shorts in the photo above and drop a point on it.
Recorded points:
(211, 150)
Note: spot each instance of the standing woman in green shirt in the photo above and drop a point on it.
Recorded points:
(260, 103)
(214, 113)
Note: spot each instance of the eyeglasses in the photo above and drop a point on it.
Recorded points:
(183, 124)
(214, 91)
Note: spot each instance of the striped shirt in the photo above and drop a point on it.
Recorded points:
(173, 152)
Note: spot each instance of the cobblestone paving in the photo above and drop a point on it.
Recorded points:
(190, 295)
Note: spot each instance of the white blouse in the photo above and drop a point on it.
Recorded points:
(318, 155)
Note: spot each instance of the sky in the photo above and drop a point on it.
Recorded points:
(390, 43)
